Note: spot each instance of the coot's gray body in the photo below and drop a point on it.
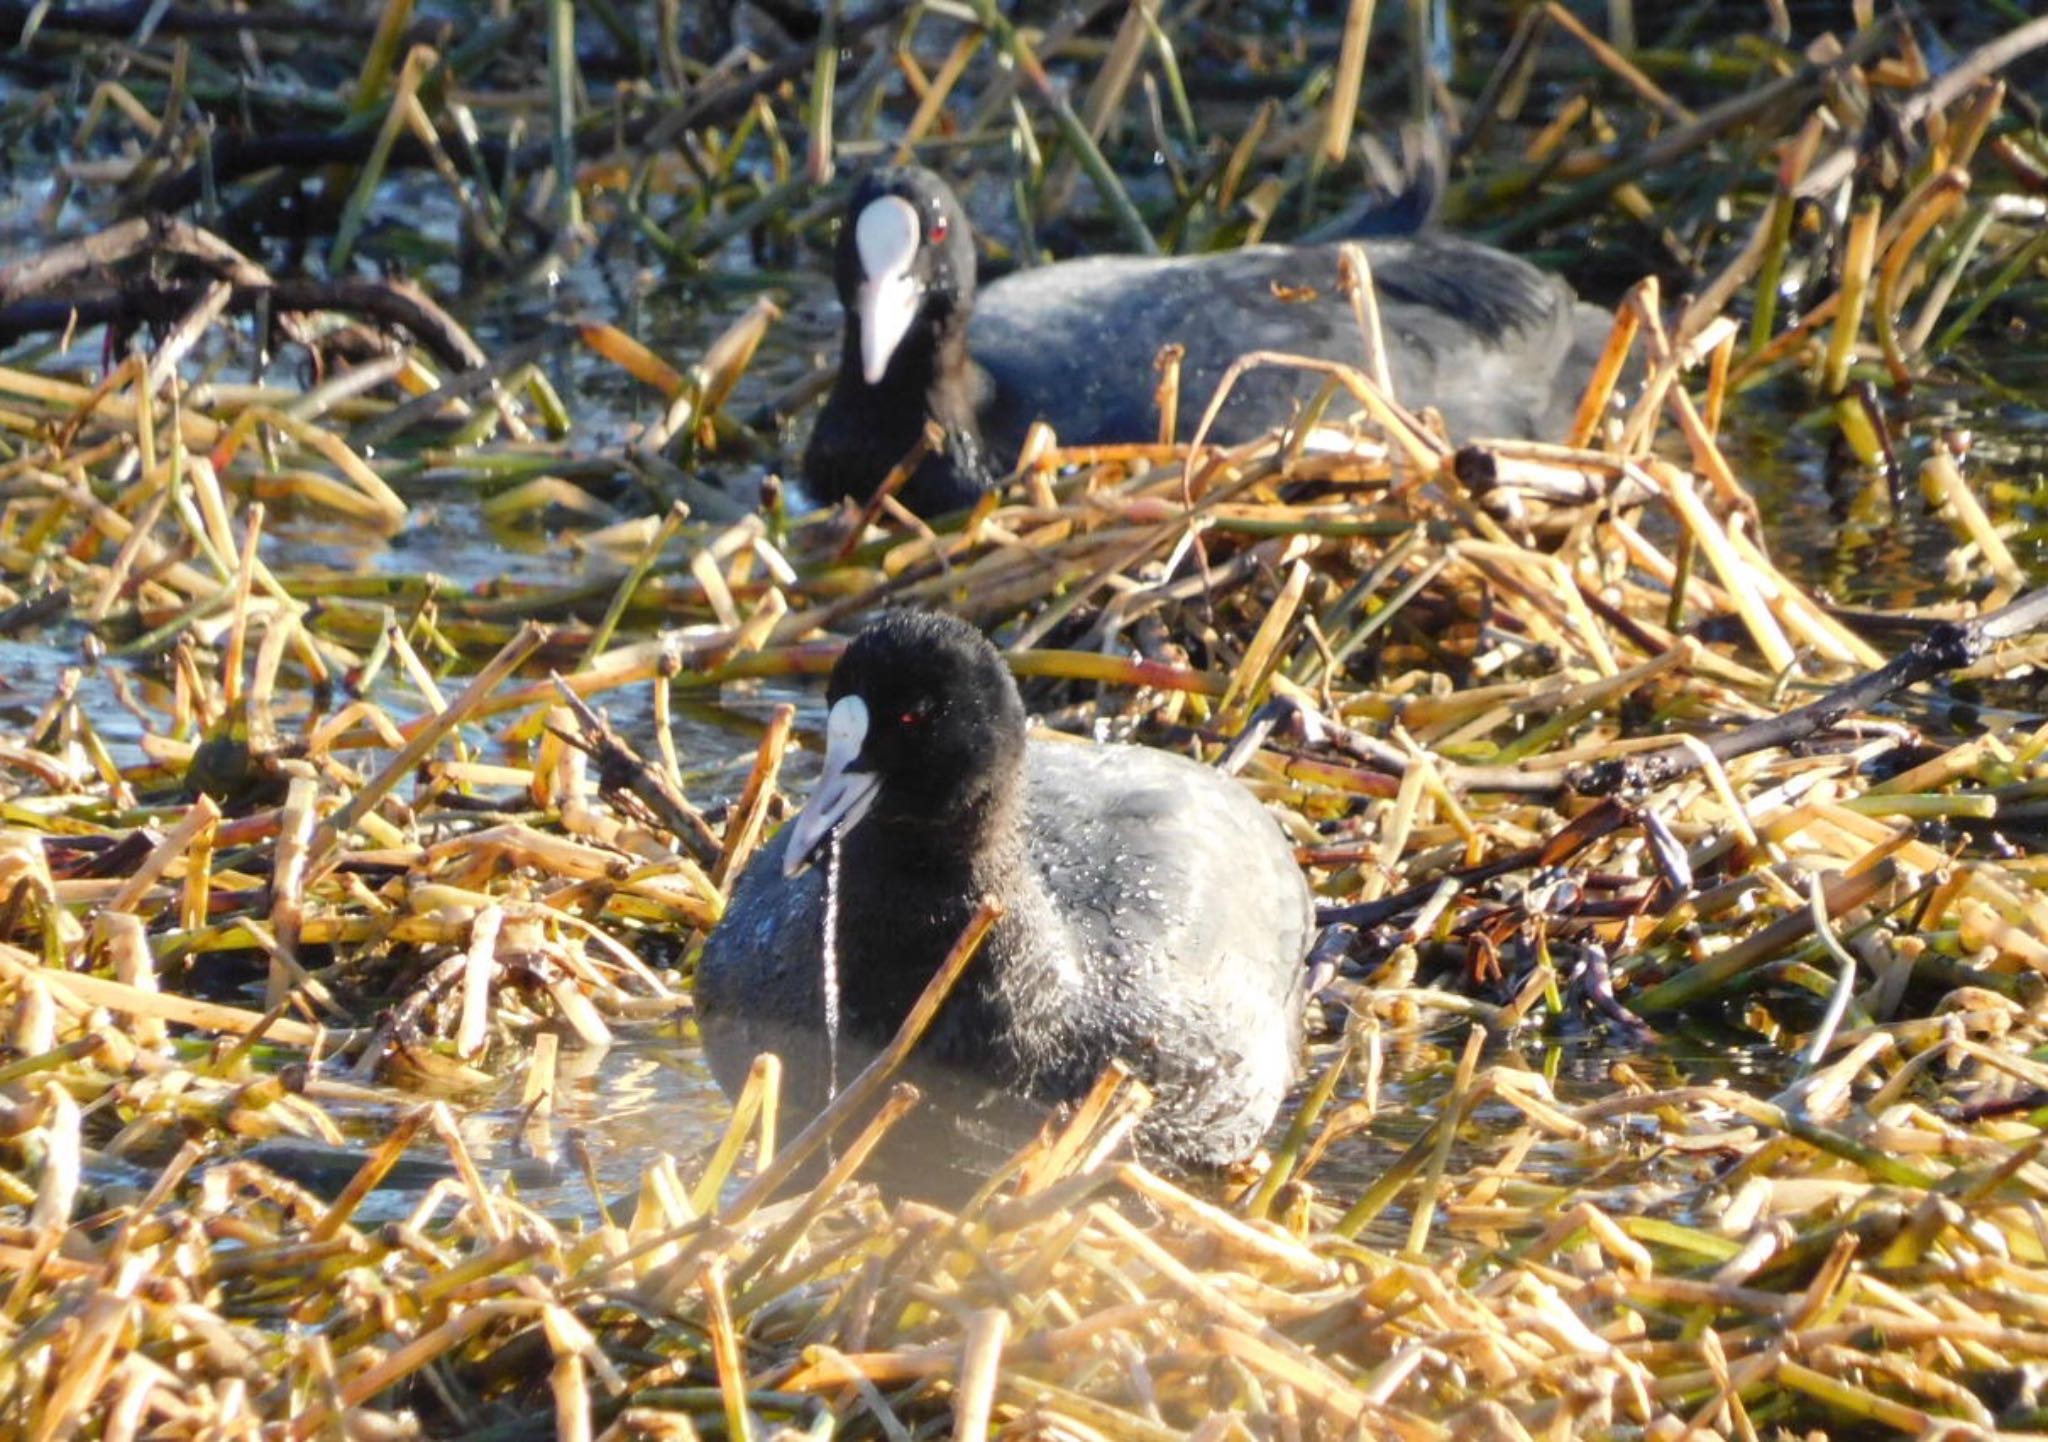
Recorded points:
(1499, 347)
(1153, 913)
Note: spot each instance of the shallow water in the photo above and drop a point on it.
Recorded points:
(619, 1109)
(616, 1111)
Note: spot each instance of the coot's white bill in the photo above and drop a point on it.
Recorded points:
(843, 795)
(887, 234)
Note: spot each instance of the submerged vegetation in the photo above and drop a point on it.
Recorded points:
(303, 859)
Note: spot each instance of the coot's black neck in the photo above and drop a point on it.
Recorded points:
(907, 890)
(865, 430)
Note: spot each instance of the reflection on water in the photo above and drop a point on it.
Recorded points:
(644, 1097)
(652, 1094)
(617, 1110)
(31, 672)
(450, 538)
(1536, 1169)
(1866, 540)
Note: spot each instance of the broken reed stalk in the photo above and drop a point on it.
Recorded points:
(327, 841)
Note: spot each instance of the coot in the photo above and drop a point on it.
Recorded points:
(1153, 913)
(1498, 346)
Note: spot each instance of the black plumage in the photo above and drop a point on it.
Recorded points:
(1153, 913)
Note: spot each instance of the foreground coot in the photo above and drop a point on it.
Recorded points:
(1153, 913)
(1498, 346)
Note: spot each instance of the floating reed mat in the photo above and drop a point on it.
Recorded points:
(1599, 766)
(1677, 1071)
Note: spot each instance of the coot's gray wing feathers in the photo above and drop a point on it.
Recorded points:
(1074, 343)
(1482, 335)
(1182, 902)
(1500, 347)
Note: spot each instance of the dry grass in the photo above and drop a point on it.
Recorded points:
(356, 787)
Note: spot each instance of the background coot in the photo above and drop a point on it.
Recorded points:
(1498, 346)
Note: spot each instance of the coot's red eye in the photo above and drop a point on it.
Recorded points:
(939, 228)
(909, 718)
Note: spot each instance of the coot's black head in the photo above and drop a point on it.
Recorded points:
(925, 728)
(905, 266)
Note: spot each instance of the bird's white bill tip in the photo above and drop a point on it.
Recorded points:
(887, 307)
